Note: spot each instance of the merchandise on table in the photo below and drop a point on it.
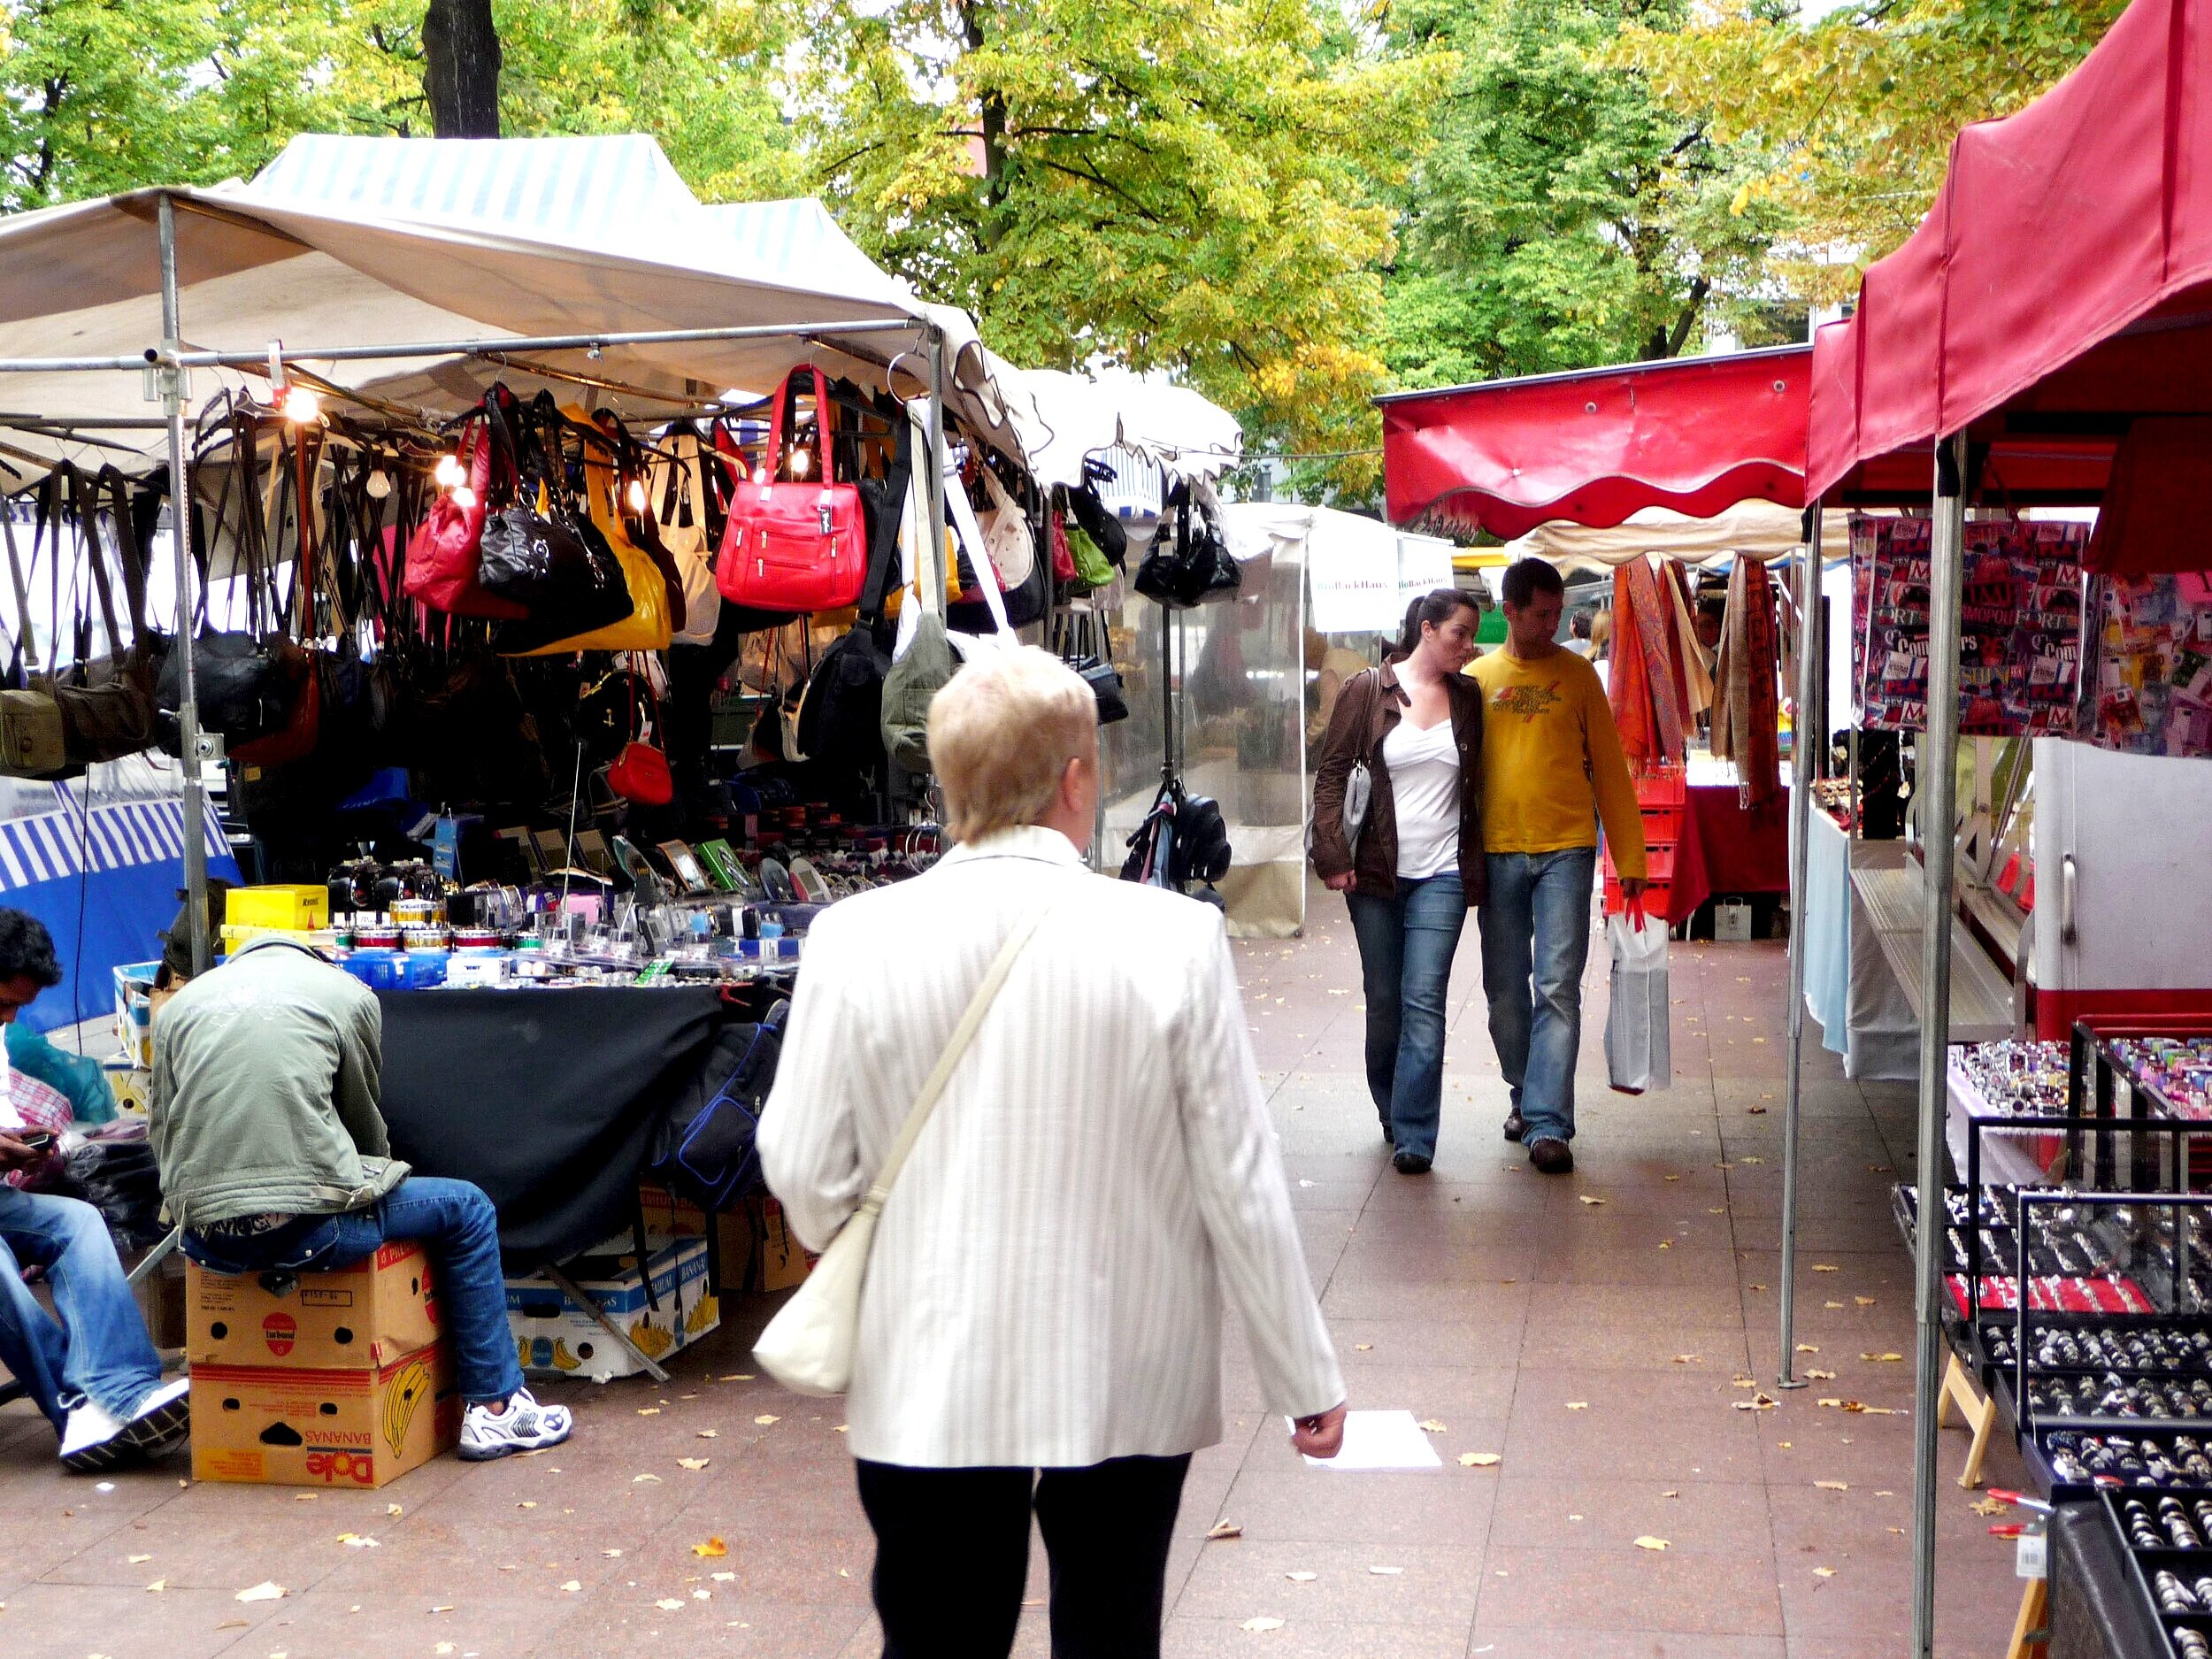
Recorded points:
(2108, 1394)
(2175, 1072)
(2152, 674)
(2078, 1458)
(2166, 1541)
(2020, 624)
(2138, 1348)
(2015, 1080)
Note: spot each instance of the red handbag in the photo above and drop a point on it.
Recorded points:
(795, 545)
(443, 553)
(640, 773)
(1063, 556)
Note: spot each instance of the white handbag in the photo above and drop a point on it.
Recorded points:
(676, 486)
(808, 1347)
(1008, 540)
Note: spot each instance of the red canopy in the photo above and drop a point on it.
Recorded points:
(2060, 284)
(1694, 434)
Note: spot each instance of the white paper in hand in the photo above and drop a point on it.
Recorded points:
(1381, 1439)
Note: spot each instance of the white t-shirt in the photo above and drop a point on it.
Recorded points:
(1424, 793)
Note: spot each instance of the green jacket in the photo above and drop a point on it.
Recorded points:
(264, 1091)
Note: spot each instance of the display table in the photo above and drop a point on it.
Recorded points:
(1849, 986)
(546, 1099)
(1725, 848)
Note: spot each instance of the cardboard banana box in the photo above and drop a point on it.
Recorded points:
(323, 1428)
(364, 1316)
(554, 1336)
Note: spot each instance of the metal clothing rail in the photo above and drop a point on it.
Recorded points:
(168, 363)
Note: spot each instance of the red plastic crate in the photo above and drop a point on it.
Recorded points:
(1663, 826)
(1654, 897)
(1662, 785)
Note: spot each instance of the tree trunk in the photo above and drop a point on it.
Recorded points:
(460, 50)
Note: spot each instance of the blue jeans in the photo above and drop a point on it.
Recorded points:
(99, 1350)
(1535, 941)
(452, 1220)
(1406, 943)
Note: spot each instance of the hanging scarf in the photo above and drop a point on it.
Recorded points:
(1662, 665)
(1745, 715)
(1697, 673)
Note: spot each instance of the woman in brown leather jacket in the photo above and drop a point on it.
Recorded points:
(1414, 867)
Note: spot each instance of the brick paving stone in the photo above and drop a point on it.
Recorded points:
(1484, 1297)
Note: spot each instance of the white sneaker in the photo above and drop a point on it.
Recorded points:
(162, 1418)
(92, 1440)
(523, 1426)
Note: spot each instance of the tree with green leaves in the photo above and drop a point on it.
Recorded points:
(1564, 216)
(1188, 186)
(1849, 117)
(96, 98)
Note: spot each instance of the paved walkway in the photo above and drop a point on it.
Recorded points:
(1596, 1333)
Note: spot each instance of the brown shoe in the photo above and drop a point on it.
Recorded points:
(1552, 1156)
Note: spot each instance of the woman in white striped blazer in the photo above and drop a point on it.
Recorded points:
(1044, 1290)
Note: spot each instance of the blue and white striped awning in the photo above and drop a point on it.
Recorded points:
(57, 845)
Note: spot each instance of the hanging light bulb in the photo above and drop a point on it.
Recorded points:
(448, 473)
(636, 496)
(800, 462)
(380, 484)
(464, 497)
(302, 407)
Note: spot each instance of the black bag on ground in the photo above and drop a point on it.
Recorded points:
(706, 1149)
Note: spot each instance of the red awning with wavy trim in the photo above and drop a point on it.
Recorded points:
(1697, 434)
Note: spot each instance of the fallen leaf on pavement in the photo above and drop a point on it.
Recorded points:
(1758, 1286)
(158, 1585)
(265, 1591)
(726, 1577)
(1648, 1542)
(394, 1509)
(357, 1541)
(1302, 1577)
(1588, 1199)
(1882, 1359)
(1823, 1572)
(1864, 1302)
(1807, 1347)
(649, 1411)
(669, 1605)
(1386, 1572)
(1671, 1495)
(1262, 1625)
(1687, 1359)
(134, 1560)
(707, 1434)
(1988, 1506)
(693, 1463)
(1752, 1160)
(1821, 1375)
(713, 1549)
(1225, 1529)
(610, 1553)
(573, 1586)
(1430, 1425)
(1578, 1405)
(1757, 1402)
(640, 1479)
(1832, 1486)
(767, 1417)
(1479, 1460)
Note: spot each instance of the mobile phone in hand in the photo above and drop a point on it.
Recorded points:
(37, 1140)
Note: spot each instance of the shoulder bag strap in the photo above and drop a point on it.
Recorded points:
(26, 651)
(88, 499)
(962, 1035)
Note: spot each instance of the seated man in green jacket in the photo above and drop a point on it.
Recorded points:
(273, 1157)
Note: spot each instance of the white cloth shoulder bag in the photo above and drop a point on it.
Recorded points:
(808, 1347)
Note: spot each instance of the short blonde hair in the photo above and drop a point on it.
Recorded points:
(1002, 732)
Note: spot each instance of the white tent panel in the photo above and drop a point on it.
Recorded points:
(1757, 529)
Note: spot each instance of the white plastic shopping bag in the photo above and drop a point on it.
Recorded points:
(1636, 1038)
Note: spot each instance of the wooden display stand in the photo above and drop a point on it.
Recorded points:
(2029, 1634)
(1979, 1410)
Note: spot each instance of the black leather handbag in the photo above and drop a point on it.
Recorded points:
(1081, 644)
(539, 549)
(1195, 567)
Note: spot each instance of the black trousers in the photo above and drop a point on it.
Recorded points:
(952, 1555)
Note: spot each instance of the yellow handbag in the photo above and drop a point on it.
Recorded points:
(646, 626)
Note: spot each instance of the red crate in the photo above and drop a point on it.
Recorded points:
(1662, 785)
(1663, 826)
(1654, 897)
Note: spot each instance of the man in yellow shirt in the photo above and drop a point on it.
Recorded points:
(1551, 770)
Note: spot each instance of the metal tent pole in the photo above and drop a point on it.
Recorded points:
(1801, 836)
(1935, 786)
(171, 382)
(933, 593)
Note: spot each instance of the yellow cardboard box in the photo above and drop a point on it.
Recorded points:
(323, 1428)
(668, 1218)
(359, 1317)
(784, 1260)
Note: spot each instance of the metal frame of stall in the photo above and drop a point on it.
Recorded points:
(168, 364)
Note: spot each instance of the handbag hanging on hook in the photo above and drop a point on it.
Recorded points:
(794, 544)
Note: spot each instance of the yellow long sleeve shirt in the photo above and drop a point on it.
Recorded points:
(1552, 767)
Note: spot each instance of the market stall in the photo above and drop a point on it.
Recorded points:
(2042, 332)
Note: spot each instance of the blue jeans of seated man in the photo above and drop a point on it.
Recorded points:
(99, 1350)
(452, 1220)
(1535, 942)
(1406, 943)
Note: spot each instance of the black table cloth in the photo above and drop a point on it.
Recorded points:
(2096, 1612)
(546, 1099)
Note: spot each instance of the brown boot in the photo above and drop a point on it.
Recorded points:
(1552, 1156)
